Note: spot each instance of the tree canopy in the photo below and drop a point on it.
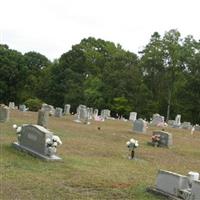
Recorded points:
(164, 78)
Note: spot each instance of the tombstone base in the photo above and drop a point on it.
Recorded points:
(156, 191)
(160, 145)
(34, 153)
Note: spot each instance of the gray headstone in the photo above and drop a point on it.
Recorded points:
(23, 108)
(157, 119)
(186, 125)
(33, 139)
(43, 117)
(165, 138)
(67, 109)
(177, 121)
(90, 113)
(171, 182)
(139, 126)
(84, 115)
(58, 112)
(171, 122)
(96, 112)
(78, 112)
(48, 108)
(105, 113)
(195, 190)
(4, 113)
(11, 105)
(133, 116)
(197, 127)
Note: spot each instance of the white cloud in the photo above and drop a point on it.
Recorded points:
(52, 26)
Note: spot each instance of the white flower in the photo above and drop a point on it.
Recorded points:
(55, 144)
(19, 129)
(132, 140)
(128, 143)
(136, 144)
(14, 126)
(57, 139)
(48, 141)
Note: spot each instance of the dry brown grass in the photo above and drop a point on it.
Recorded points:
(95, 164)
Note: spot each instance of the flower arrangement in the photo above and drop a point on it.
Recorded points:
(132, 144)
(155, 140)
(52, 144)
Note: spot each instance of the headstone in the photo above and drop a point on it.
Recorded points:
(165, 138)
(48, 108)
(105, 113)
(78, 112)
(58, 112)
(67, 109)
(43, 117)
(4, 113)
(197, 127)
(195, 190)
(171, 122)
(171, 183)
(35, 139)
(23, 108)
(133, 116)
(186, 125)
(139, 125)
(95, 114)
(11, 105)
(177, 122)
(157, 119)
(84, 115)
(90, 113)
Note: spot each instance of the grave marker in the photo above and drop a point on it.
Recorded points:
(38, 141)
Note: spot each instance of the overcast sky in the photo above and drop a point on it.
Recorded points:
(51, 27)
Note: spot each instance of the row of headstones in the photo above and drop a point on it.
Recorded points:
(178, 186)
(159, 120)
(22, 107)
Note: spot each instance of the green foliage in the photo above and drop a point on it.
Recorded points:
(100, 74)
(121, 106)
(33, 104)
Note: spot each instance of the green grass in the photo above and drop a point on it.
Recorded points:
(94, 165)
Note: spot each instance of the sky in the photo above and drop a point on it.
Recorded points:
(51, 27)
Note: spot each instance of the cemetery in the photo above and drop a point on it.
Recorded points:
(94, 162)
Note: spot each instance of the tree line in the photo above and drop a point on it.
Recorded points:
(163, 78)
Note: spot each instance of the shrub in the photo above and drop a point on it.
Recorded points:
(33, 104)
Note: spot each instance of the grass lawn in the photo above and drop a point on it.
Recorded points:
(95, 162)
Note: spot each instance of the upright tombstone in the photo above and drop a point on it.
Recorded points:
(4, 113)
(37, 141)
(67, 109)
(139, 125)
(58, 112)
(105, 113)
(171, 183)
(157, 119)
(177, 122)
(195, 190)
(22, 108)
(95, 113)
(90, 113)
(197, 127)
(186, 125)
(177, 186)
(48, 108)
(165, 138)
(43, 117)
(12, 105)
(171, 122)
(133, 116)
(84, 115)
